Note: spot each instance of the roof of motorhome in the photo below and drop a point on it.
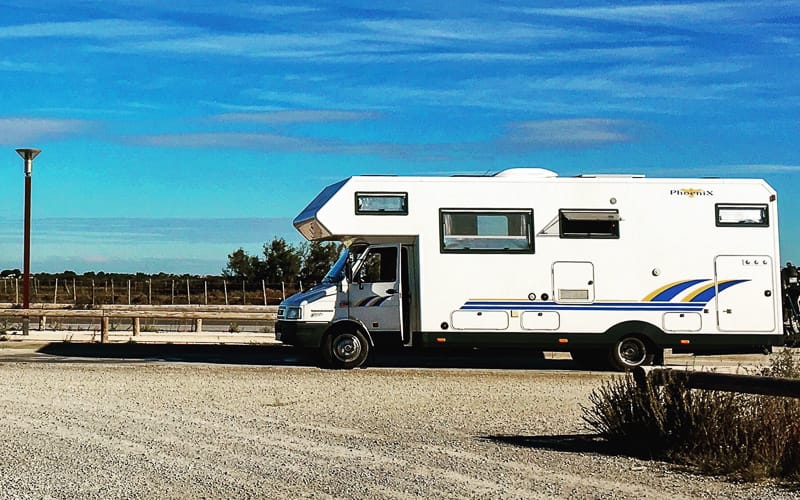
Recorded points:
(531, 174)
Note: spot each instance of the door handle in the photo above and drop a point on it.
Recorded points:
(391, 291)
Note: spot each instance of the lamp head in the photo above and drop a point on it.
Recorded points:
(28, 154)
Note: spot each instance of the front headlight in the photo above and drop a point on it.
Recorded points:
(293, 313)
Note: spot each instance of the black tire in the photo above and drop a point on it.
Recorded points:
(590, 359)
(629, 352)
(345, 349)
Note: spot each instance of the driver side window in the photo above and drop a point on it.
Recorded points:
(380, 266)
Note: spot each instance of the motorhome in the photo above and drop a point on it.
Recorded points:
(613, 269)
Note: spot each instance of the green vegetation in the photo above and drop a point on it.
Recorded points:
(746, 437)
(283, 262)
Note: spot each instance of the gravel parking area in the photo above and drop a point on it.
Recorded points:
(99, 428)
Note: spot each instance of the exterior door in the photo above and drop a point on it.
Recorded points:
(573, 282)
(745, 293)
(375, 292)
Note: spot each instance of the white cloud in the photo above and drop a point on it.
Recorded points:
(282, 117)
(97, 28)
(16, 131)
(709, 14)
(567, 133)
(762, 168)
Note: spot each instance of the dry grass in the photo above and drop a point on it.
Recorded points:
(743, 436)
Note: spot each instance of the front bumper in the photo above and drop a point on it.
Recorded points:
(299, 333)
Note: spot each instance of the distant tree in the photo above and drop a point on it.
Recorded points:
(10, 273)
(318, 257)
(241, 265)
(282, 261)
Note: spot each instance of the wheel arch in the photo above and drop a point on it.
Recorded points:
(648, 332)
(343, 324)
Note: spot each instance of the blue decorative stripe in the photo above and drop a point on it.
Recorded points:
(527, 304)
(380, 301)
(541, 306)
(363, 302)
(671, 292)
(711, 292)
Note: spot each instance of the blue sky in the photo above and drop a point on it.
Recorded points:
(160, 124)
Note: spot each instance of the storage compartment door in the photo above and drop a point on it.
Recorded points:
(573, 282)
(745, 293)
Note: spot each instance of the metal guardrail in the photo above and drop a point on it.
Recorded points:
(137, 313)
(726, 382)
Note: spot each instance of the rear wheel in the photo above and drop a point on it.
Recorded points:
(630, 352)
(345, 349)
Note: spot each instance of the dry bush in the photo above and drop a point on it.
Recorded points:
(744, 436)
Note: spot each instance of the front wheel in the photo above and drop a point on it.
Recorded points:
(630, 352)
(345, 349)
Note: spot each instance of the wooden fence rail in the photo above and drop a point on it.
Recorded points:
(747, 384)
(136, 314)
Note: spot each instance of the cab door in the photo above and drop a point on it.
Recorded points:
(375, 296)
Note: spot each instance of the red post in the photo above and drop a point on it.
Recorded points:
(26, 273)
(27, 155)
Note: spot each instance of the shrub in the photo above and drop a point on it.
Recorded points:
(744, 436)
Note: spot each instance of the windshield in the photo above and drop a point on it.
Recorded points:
(336, 274)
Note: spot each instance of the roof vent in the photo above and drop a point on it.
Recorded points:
(526, 172)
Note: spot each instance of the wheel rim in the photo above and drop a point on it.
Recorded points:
(632, 351)
(347, 347)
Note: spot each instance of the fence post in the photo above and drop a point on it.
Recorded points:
(104, 329)
(16, 290)
(112, 291)
(198, 325)
(129, 292)
(173, 292)
(264, 289)
(74, 292)
(42, 322)
(188, 294)
(205, 291)
(150, 292)
(92, 293)
(283, 291)
(224, 285)
(55, 293)
(243, 294)
(137, 326)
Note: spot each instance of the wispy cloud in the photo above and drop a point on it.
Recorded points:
(763, 168)
(286, 143)
(713, 15)
(96, 28)
(27, 67)
(575, 133)
(578, 133)
(17, 130)
(296, 116)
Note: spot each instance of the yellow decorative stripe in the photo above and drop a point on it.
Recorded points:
(655, 292)
(691, 296)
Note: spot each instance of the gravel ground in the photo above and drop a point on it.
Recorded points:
(94, 428)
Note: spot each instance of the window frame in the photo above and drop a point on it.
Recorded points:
(526, 212)
(562, 217)
(381, 194)
(763, 206)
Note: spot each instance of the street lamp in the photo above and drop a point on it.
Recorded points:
(27, 155)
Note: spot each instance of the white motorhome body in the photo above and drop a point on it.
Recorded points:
(606, 267)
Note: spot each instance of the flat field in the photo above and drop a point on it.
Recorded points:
(78, 424)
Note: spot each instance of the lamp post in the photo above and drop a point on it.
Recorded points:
(27, 155)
